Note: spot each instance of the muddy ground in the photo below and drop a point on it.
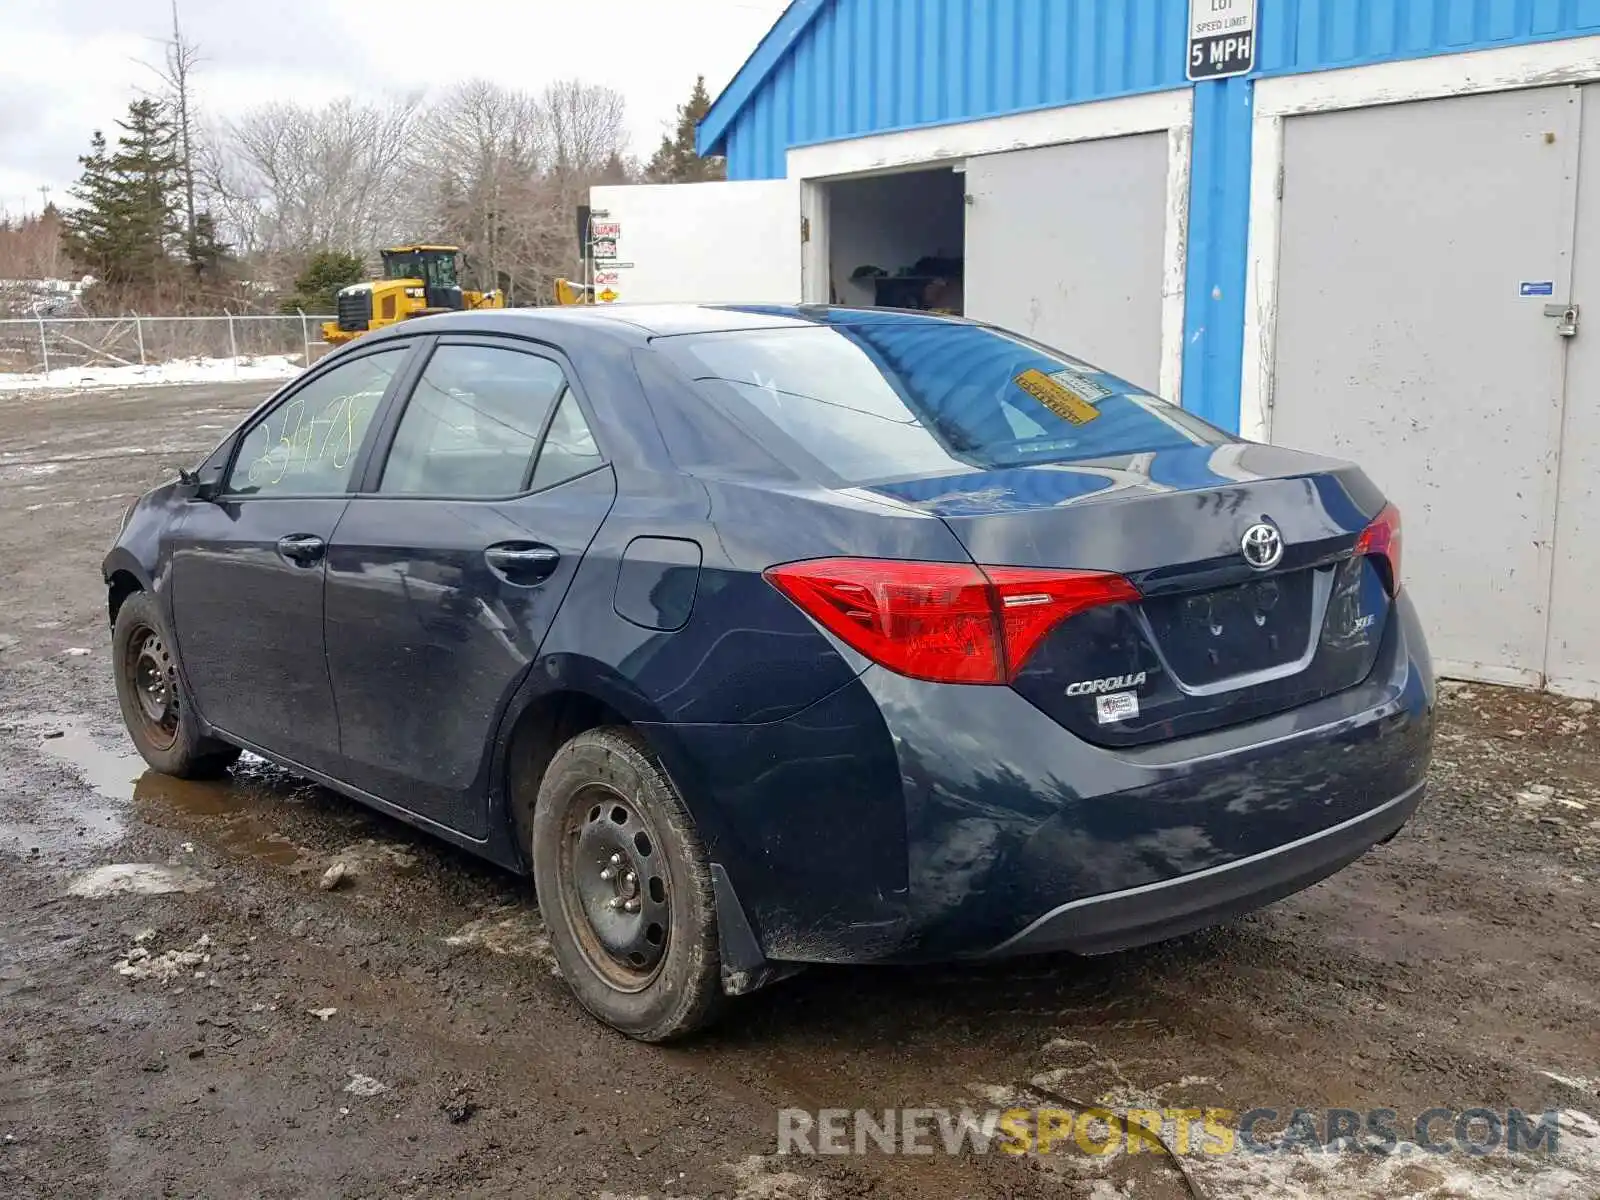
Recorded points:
(405, 1034)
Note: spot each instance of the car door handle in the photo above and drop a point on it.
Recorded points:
(521, 563)
(302, 549)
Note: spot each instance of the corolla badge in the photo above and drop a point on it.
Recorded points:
(1263, 546)
(1099, 687)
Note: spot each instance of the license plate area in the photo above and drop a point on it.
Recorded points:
(1209, 637)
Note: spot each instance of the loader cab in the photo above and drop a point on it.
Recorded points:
(435, 266)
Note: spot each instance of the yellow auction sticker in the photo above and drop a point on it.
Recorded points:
(1060, 399)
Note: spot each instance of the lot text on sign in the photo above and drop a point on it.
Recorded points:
(1222, 38)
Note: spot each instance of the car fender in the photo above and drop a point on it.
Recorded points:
(595, 680)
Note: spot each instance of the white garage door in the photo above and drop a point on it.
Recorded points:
(1064, 244)
(1408, 342)
(1573, 663)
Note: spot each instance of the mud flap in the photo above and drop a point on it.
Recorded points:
(744, 967)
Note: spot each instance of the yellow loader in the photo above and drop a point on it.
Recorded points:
(417, 281)
(568, 292)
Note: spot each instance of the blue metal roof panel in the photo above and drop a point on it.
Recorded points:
(769, 52)
(1311, 35)
(843, 68)
(832, 69)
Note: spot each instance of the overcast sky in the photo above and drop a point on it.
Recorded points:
(71, 66)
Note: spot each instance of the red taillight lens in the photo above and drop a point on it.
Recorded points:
(1034, 602)
(948, 622)
(926, 620)
(1382, 538)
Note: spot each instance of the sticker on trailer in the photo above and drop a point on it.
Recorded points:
(605, 248)
(1540, 287)
(608, 296)
(1119, 706)
(605, 229)
(1222, 38)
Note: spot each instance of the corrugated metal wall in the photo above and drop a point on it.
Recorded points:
(869, 66)
(1297, 36)
(1308, 35)
(865, 66)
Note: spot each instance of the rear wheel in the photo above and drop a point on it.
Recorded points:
(163, 726)
(624, 888)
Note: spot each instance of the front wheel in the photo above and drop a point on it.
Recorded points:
(164, 727)
(624, 888)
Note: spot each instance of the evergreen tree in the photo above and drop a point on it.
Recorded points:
(87, 231)
(675, 160)
(128, 222)
(207, 253)
(325, 273)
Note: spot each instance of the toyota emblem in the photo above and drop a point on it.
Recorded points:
(1263, 546)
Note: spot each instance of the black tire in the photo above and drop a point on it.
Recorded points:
(638, 946)
(162, 724)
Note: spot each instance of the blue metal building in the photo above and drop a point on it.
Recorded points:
(835, 70)
(1374, 243)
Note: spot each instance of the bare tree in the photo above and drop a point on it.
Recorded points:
(179, 59)
(30, 248)
(498, 171)
(505, 171)
(584, 125)
(477, 157)
(296, 179)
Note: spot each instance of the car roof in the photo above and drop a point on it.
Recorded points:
(645, 321)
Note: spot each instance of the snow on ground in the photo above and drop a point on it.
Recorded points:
(183, 370)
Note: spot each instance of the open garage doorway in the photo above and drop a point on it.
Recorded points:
(898, 241)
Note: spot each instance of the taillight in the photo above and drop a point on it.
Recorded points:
(1034, 602)
(1382, 539)
(948, 622)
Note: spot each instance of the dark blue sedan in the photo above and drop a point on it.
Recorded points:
(767, 636)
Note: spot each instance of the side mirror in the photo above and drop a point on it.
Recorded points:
(205, 481)
(203, 484)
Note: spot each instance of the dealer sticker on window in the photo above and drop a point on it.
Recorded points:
(1119, 706)
(1069, 395)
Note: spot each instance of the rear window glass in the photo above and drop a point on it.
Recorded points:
(877, 400)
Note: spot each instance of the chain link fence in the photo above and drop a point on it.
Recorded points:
(43, 345)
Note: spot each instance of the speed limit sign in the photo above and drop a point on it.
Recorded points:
(1222, 38)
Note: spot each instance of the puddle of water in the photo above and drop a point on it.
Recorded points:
(83, 826)
(109, 770)
(234, 815)
(217, 811)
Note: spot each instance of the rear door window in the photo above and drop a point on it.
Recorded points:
(472, 424)
(569, 447)
(882, 399)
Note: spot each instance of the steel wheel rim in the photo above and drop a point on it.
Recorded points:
(615, 887)
(152, 676)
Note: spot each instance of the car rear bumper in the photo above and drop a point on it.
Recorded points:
(900, 821)
(1156, 911)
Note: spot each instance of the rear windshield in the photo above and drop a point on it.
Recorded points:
(880, 400)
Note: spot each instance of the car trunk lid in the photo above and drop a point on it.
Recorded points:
(1215, 638)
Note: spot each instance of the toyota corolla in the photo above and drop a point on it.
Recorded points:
(768, 636)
